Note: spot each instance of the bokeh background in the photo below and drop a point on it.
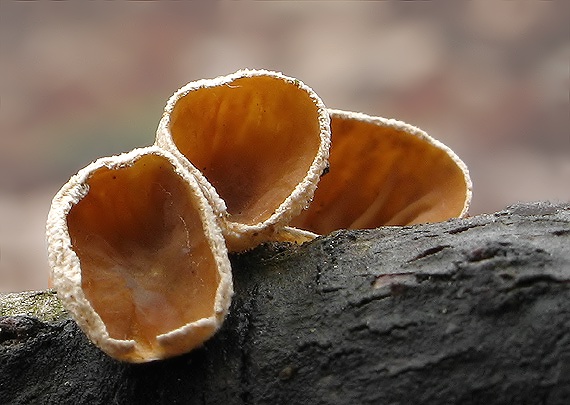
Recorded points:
(80, 80)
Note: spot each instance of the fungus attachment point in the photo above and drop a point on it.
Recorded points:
(385, 172)
(137, 256)
(257, 141)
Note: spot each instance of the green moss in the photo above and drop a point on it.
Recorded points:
(43, 305)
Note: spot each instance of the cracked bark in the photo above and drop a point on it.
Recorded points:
(470, 311)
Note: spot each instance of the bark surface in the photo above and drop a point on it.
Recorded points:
(469, 311)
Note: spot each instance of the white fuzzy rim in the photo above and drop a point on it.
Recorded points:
(410, 129)
(302, 193)
(66, 267)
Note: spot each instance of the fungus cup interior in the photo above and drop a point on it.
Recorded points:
(380, 175)
(253, 138)
(146, 264)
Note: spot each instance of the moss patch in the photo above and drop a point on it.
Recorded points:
(43, 305)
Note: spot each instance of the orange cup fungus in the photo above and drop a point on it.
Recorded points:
(385, 172)
(257, 141)
(138, 243)
(137, 256)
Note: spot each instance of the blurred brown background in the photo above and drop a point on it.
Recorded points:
(80, 80)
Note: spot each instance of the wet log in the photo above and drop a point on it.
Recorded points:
(468, 311)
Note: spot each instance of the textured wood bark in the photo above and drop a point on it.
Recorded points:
(470, 311)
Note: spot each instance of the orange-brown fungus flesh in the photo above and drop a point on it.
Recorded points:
(382, 176)
(146, 265)
(254, 139)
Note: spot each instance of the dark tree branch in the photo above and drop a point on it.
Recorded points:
(470, 311)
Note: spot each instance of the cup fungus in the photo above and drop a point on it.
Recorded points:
(257, 141)
(385, 172)
(138, 257)
(137, 242)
